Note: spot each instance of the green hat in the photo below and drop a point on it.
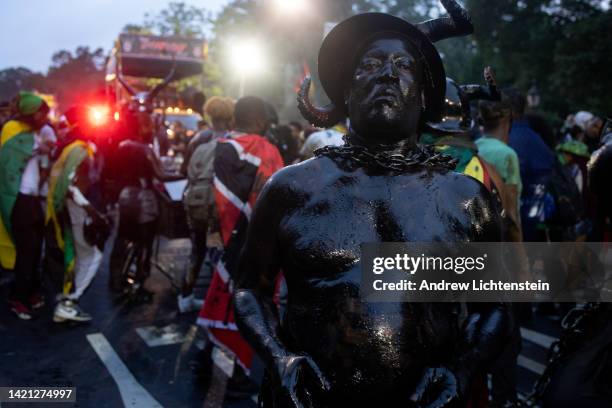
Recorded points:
(29, 103)
(574, 147)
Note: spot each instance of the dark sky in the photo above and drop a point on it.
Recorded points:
(33, 30)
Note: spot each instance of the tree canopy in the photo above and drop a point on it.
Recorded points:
(560, 45)
(72, 77)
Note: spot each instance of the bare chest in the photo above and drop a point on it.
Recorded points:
(335, 219)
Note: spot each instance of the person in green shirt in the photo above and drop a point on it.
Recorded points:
(497, 120)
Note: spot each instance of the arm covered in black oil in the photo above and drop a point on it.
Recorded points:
(488, 325)
(256, 314)
(485, 331)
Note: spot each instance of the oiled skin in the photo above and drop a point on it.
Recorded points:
(311, 228)
(333, 349)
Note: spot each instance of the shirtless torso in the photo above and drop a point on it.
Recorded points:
(311, 229)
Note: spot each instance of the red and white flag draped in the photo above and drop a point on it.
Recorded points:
(242, 165)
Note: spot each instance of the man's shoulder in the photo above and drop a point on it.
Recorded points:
(299, 176)
(529, 144)
(203, 136)
(12, 128)
(499, 148)
(203, 146)
(247, 141)
(459, 184)
(522, 134)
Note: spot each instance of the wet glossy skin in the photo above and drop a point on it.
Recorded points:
(332, 349)
(386, 91)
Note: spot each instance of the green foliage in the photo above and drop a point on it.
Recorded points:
(13, 80)
(177, 19)
(582, 62)
(72, 77)
(84, 64)
(560, 45)
(136, 29)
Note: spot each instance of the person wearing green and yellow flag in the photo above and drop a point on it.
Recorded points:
(72, 216)
(21, 219)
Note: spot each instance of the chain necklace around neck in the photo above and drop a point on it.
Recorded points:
(389, 159)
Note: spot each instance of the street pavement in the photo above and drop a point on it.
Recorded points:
(149, 355)
(137, 356)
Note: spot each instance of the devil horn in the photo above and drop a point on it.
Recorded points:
(490, 92)
(123, 82)
(457, 24)
(162, 84)
(324, 117)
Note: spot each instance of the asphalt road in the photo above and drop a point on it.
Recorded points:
(149, 355)
(129, 355)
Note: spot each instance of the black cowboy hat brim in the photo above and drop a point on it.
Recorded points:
(337, 55)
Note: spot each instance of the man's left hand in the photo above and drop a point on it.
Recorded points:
(438, 388)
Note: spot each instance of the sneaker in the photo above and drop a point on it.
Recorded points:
(69, 310)
(37, 301)
(188, 304)
(21, 310)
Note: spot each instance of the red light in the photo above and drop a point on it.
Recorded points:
(98, 115)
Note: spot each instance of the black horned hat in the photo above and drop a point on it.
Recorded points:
(339, 47)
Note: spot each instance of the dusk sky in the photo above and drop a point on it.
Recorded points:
(35, 29)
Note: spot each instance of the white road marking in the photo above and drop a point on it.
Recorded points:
(160, 336)
(531, 365)
(538, 338)
(132, 393)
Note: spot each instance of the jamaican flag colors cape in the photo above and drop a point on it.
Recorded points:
(16, 148)
(62, 174)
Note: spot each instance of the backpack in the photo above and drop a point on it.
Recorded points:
(199, 194)
(568, 201)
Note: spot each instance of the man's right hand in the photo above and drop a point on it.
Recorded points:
(298, 378)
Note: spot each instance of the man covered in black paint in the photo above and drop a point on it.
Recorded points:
(331, 348)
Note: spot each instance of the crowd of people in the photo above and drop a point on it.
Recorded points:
(53, 175)
(60, 185)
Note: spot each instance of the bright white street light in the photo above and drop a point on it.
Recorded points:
(290, 6)
(248, 58)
